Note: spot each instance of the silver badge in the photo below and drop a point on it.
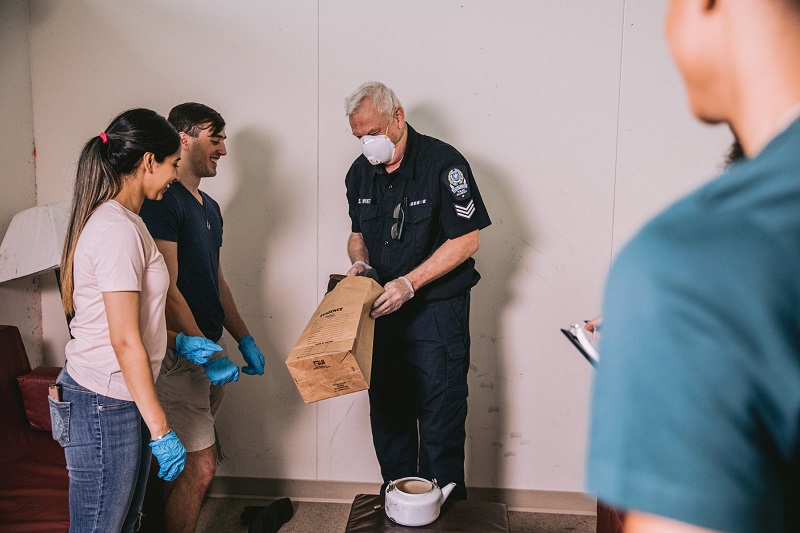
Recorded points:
(458, 185)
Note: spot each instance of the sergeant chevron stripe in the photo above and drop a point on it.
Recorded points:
(465, 211)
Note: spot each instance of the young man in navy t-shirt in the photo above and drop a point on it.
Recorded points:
(187, 227)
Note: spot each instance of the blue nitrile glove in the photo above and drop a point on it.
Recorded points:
(252, 355)
(170, 454)
(198, 350)
(221, 371)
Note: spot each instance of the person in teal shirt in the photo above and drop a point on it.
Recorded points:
(696, 408)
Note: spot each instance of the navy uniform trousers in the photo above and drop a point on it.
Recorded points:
(418, 391)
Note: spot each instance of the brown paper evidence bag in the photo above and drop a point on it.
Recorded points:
(333, 355)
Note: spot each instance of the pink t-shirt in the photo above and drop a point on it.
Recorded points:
(114, 253)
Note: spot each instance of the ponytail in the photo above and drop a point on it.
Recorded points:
(105, 161)
(95, 183)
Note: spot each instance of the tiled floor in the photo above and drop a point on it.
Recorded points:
(221, 515)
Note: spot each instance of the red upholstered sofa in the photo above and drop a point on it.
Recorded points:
(33, 475)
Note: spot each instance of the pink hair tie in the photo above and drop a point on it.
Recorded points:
(104, 137)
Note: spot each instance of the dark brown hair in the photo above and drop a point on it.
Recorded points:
(191, 117)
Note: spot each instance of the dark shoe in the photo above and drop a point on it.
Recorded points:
(250, 513)
(272, 517)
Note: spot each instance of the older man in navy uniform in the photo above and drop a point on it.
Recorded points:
(416, 215)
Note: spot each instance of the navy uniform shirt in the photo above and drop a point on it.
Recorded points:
(439, 199)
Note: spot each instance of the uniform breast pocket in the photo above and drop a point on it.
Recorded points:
(419, 221)
(369, 220)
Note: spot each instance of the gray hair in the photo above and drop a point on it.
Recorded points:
(382, 97)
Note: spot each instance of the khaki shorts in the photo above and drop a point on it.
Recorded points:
(190, 400)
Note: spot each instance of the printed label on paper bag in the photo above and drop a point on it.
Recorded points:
(340, 386)
(328, 327)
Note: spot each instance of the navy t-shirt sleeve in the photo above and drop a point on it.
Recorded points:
(162, 217)
(688, 419)
(462, 210)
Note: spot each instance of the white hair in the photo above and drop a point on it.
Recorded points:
(382, 97)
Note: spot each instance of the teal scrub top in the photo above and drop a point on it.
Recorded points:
(696, 408)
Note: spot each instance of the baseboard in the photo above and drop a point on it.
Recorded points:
(541, 501)
(297, 489)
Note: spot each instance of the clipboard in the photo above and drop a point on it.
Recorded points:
(582, 340)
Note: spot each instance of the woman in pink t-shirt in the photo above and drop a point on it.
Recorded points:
(114, 282)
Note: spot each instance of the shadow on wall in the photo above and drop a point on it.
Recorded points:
(497, 261)
(257, 214)
(487, 428)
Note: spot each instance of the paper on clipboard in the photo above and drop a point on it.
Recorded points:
(584, 341)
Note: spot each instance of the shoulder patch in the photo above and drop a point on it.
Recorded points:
(455, 179)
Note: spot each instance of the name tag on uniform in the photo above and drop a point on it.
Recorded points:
(364, 201)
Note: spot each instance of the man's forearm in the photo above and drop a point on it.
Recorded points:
(233, 320)
(448, 256)
(357, 248)
(179, 317)
(646, 523)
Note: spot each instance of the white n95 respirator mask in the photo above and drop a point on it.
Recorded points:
(377, 148)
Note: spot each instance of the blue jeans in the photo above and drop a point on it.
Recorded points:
(106, 445)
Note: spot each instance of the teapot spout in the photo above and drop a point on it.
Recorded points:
(447, 490)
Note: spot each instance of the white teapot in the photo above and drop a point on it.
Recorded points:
(415, 501)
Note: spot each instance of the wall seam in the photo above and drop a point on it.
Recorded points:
(616, 140)
(38, 283)
(317, 270)
(33, 122)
